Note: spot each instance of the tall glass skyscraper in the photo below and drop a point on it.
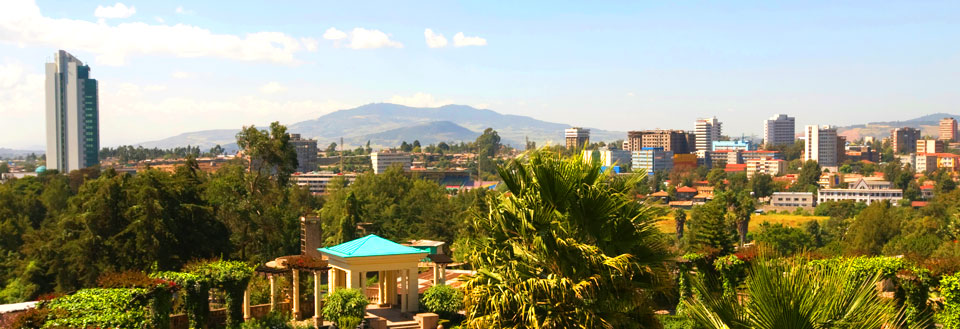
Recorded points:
(73, 114)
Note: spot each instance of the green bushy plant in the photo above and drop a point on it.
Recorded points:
(101, 308)
(443, 300)
(950, 290)
(343, 305)
(273, 320)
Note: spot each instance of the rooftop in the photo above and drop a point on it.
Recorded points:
(371, 245)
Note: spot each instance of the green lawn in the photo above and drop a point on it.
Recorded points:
(667, 225)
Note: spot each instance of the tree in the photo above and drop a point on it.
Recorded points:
(762, 185)
(331, 148)
(488, 143)
(4, 168)
(716, 178)
(873, 227)
(680, 218)
(216, 150)
(347, 230)
(567, 247)
(710, 231)
(809, 176)
(784, 239)
(270, 152)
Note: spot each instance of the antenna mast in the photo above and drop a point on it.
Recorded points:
(341, 155)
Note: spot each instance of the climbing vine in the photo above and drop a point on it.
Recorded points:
(232, 277)
(950, 290)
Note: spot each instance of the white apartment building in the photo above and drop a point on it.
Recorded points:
(772, 167)
(862, 191)
(779, 130)
(381, 161)
(821, 145)
(610, 158)
(707, 131)
(318, 181)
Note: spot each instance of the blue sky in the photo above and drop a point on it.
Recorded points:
(166, 68)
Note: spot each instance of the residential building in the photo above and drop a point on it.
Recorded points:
(72, 114)
(741, 145)
(381, 161)
(793, 199)
(652, 159)
(929, 146)
(686, 193)
(676, 141)
(688, 161)
(925, 162)
(772, 167)
(948, 160)
(905, 139)
(609, 158)
(306, 153)
(576, 137)
(948, 130)
(735, 168)
(707, 130)
(862, 191)
(861, 153)
(759, 154)
(779, 130)
(318, 182)
(841, 149)
(719, 158)
(821, 145)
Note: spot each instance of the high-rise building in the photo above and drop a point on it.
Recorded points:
(73, 114)
(306, 153)
(576, 137)
(651, 160)
(948, 129)
(382, 161)
(905, 139)
(779, 130)
(929, 146)
(821, 145)
(676, 141)
(708, 130)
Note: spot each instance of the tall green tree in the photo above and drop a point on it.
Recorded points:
(762, 185)
(566, 248)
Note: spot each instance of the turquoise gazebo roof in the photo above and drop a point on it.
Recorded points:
(371, 245)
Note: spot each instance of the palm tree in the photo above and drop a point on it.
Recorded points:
(566, 247)
(791, 294)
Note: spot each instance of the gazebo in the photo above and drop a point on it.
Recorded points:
(350, 261)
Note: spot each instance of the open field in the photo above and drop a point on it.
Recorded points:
(666, 224)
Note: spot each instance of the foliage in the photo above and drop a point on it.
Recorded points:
(230, 276)
(762, 185)
(732, 270)
(784, 239)
(950, 290)
(196, 294)
(873, 227)
(808, 177)
(566, 247)
(33, 318)
(273, 320)
(443, 300)
(785, 294)
(709, 230)
(676, 322)
(101, 307)
(344, 305)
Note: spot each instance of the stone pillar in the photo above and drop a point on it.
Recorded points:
(443, 274)
(246, 304)
(403, 284)
(350, 282)
(381, 294)
(273, 291)
(413, 295)
(317, 301)
(295, 307)
(332, 280)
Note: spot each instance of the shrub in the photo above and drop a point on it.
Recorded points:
(345, 303)
(273, 320)
(676, 322)
(950, 290)
(232, 277)
(196, 295)
(348, 322)
(443, 300)
(101, 308)
(33, 318)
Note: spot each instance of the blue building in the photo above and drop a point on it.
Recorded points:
(652, 159)
(741, 145)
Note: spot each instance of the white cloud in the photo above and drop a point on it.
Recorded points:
(434, 40)
(181, 75)
(460, 40)
(334, 34)
(631, 94)
(272, 87)
(22, 23)
(180, 10)
(158, 19)
(360, 38)
(118, 10)
(419, 100)
(21, 106)
(310, 43)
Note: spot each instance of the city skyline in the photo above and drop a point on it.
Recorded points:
(166, 69)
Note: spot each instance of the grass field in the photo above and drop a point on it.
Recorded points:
(667, 225)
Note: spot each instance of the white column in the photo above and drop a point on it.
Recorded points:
(413, 296)
(246, 304)
(381, 280)
(295, 307)
(403, 283)
(273, 291)
(350, 282)
(332, 280)
(317, 300)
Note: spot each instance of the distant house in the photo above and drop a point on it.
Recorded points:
(686, 193)
(793, 199)
(862, 191)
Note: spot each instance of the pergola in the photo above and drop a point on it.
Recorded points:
(350, 261)
(293, 264)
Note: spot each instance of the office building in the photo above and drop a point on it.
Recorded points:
(576, 137)
(72, 114)
(759, 154)
(820, 145)
(609, 158)
(319, 182)
(651, 160)
(772, 167)
(948, 130)
(382, 161)
(707, 130)
(676, 141)
(792, 200)
(742, 145)
(862, 191)
(779, 130)
(925, 162)
(306, 153)
(905, 139)
(929, 146)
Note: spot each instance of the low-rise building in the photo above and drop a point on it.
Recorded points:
(793, 199)
(760, 154)
(686, 193)
(381, 161)
(318, 181)
(925, 162)
(742, 145)
(929, 146)
(863, 191)
(772, 167)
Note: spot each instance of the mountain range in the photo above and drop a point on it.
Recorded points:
(929, 125)
(387, 125)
